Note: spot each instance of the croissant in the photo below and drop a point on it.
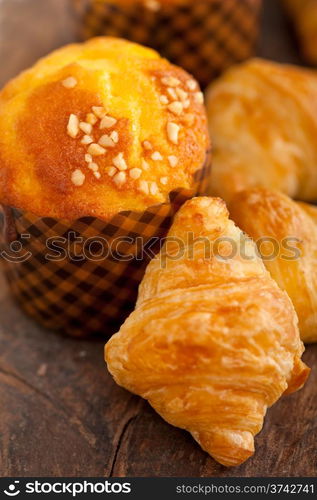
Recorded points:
(291, 253)
(213, 341)
(263, 125)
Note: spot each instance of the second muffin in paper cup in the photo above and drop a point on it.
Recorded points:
(101, 144)
(202, 36)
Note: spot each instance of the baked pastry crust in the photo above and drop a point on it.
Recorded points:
(263, 124)
(156, 114)
(213, 341)
(292, 227)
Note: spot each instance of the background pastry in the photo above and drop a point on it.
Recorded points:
(103, 140)
(263, 214)
(213, 340)
(304, 16)
(263, 123)
(202, 36)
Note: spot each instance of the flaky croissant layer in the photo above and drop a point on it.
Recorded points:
(272, 216)
(213, 341)
(263, 125)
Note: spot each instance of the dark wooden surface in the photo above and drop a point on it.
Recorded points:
(62, 415)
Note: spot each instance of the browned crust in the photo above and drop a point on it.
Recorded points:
(37, 156)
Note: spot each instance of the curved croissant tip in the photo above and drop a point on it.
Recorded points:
(205, 206)
(205, 202)
(299, 376)
(202, 215)
(230, 448)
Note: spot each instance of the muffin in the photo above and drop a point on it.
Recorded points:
(202, 36)
(102, 139)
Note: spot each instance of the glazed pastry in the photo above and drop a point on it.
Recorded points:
(304, 16)
(87, 131)
(213, 341)
(263, 123)
(292, 257)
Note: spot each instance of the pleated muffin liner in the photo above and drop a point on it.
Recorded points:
(62, 287)
(202, 36)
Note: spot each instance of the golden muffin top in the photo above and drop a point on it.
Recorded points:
(97, 128)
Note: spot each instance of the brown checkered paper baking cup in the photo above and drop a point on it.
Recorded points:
(61, 286)
(202, 36)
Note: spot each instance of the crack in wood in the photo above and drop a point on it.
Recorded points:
(120, 440)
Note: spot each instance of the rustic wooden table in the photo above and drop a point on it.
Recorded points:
(60, 412)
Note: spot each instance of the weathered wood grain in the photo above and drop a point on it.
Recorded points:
(62, 415)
